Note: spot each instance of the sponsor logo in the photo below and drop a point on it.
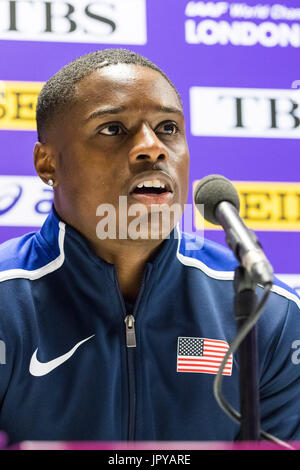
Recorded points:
(239, 24)
(265, 206)
(18, 104)
(85, 21)
(39, 369)
(245, 112)
(25, 201)
(295, 355)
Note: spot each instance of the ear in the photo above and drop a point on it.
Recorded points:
(45, 163)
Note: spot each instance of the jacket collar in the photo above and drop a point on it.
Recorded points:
(54, 224)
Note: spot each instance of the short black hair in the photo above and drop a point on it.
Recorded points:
(59, 90)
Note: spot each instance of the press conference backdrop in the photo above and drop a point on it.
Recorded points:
(236, 66)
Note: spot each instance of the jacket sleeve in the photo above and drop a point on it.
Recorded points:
(14, 305)
(280, 378)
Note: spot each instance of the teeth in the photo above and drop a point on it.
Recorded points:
(151, 184)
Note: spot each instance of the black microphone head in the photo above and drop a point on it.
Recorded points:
(212, 190)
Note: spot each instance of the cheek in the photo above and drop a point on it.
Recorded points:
(81, 167)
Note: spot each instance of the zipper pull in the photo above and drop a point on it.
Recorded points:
(130, 331)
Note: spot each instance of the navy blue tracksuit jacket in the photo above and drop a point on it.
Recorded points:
(69, 374)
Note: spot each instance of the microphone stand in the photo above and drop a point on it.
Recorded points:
(245, 301)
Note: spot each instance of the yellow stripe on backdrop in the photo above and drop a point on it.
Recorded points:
(17, 104)
(264, 206)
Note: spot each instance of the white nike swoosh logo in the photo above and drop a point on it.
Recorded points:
(38, 368)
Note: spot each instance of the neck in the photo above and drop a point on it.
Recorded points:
(128, 256)
(129, 259)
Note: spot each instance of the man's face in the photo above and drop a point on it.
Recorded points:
(125, 128)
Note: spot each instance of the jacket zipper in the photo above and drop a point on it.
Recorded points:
(130, 331)
(131, 345)
(131, 348)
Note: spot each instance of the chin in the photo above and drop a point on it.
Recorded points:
(154, 226)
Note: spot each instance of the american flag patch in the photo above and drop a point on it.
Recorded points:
(202, 355)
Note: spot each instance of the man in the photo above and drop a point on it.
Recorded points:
(97, 328)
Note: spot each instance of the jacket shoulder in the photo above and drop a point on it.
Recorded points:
(30, 256)
(212, 258)
(218, 262)
(13, 252)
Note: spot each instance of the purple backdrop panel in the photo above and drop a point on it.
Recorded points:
(246, 125)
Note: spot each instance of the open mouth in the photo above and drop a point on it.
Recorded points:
(149, 190)
(154, 187)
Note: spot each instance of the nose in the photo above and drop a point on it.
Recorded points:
(147, 147)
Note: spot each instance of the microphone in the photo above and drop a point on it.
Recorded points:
(221, 207)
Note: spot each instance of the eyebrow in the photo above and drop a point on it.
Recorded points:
(170, 110)
(105, 111)
(120, 109)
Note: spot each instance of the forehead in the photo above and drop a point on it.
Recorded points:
(128, 85)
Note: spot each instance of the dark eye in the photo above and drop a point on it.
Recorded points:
(112, 129)
(168, 128)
